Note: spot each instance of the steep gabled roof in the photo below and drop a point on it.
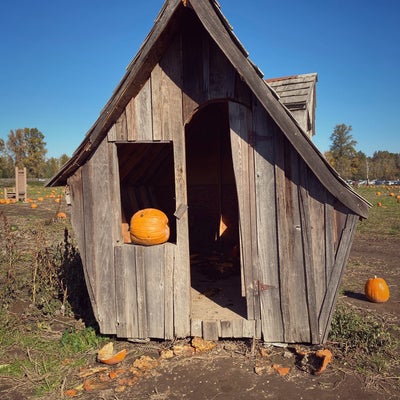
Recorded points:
(214, 22)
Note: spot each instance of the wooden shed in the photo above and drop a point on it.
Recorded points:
(261, 225)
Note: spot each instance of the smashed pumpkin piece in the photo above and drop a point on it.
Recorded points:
(166, 354)
(326, 356)
(71, 393)
(115, 374)
(92, 384)
(145, 363)
(282, 371)
(84, 373)
(106, 355)
(128, 381)
(183, 350)
(201, 345)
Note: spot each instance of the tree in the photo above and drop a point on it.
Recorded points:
(28, 149)
(385, 165)
(54, 164)
(342, 150)
(6, 163)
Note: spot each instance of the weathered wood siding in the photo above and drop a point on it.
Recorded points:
(294, 236)
(303, 234)
(95, 192)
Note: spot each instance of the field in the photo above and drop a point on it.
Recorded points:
(49, 339)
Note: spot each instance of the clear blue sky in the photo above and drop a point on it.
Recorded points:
(61, 60)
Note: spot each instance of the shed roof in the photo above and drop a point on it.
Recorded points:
(218, 27)
(294, 91)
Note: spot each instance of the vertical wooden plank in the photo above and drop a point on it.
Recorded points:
(157, 101)
(282, 233)
(196, 327)
(221, 74)
(243, 166)
(305, 218)
(121, 130)
(206, 64)
(226, 329)
(249, 328)
(271, 316)
(237, 328)
(139, 115)
(329, 239)
(341, 258)
(112, 134)
(317, 197)
(155, 290)
(78, 223)
(169, 262)
(182, 258)
(193, 86)
(126, 292)
(97, 182)
(115, 194)
(171, 90)
(210, 330)
(299, 330)
(101, 187)
(77, 208)
(141, 292)
(89, 264)
(130, 113)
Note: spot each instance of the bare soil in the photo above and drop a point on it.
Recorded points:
(245, 369)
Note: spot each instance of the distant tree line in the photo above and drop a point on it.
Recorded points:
(355, 165)
(25, 147)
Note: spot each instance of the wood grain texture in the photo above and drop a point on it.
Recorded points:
(341, 258)
(268, 265)
(240, 128)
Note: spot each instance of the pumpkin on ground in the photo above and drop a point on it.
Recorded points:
(149, 226)
(377, 290)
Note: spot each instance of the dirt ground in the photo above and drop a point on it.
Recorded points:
(245, 369)
(236, 370)
(230, 370)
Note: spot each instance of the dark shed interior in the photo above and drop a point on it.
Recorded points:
(213, 210)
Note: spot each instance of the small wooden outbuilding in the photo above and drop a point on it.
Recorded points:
(261, 225)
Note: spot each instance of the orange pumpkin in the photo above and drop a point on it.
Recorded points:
(149, 226)
(377, 290)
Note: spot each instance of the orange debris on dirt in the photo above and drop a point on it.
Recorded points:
(326, 356)
(106, 355)
(282, 371)
(201, 345)
(71, 393)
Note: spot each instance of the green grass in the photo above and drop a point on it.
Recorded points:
(365, 342)
(42, 358)
(384, 219)
(40, 266)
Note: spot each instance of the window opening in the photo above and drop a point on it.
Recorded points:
(147, 180)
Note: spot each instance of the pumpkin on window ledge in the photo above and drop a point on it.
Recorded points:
(149, 226)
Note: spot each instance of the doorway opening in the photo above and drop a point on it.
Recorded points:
(213, 217)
